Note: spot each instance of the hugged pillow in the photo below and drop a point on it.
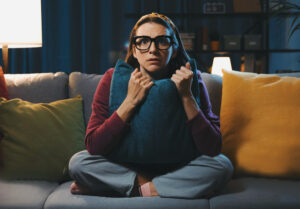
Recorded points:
(158, 131)
(3, 87)
(39, 139)
(260, 123)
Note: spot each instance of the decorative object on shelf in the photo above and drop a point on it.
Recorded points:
(249, 63)
(188, 40)
(21, 26)
(220, 63)
(232, 42)
(286, 9)
(214, 40)
(245, 6)
(204, 38)
(252, 42)
(214, 7)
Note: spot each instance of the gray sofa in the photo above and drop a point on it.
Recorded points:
(240, 193)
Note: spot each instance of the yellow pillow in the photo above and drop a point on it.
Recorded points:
(260, 123)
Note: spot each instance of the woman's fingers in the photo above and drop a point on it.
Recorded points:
(184, 74)
(144, 81)
(176, 76)
(135, 71)
(182, 79)
(136, 74)
(149, 85)
(188, 65)
(143, 78)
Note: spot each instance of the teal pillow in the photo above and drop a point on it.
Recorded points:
(158, 131)
(39, 139)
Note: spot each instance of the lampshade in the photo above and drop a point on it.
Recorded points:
(20, 23)
(220, 63)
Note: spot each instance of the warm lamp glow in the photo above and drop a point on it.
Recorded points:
(220, 63)
(20, 23)
(20, 26)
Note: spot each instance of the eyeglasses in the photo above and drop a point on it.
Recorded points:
(143, 43)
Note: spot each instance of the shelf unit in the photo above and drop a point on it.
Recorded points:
(259, 20)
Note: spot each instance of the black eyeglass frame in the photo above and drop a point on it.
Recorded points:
(155, 41)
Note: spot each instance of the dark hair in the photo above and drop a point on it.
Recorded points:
(181, 57)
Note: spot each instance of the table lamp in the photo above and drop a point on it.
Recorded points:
(20, 26)
(220, 63)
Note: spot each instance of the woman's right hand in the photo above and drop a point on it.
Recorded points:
(138, 88)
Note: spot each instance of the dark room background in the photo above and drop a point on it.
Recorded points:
(90, 35)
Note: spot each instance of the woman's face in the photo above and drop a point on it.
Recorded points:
(153, 62)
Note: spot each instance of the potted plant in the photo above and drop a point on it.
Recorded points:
(286, 9)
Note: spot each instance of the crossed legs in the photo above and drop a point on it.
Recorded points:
(94, 174)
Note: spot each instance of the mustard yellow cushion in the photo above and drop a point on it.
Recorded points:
(260, 123)
(39, 139)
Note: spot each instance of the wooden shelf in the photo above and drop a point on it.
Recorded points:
(246, 51)
(260, 21)
(202, 15)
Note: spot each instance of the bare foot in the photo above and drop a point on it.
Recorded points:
(153, 190)
(139, 181)
(78, 189)
(148, 190)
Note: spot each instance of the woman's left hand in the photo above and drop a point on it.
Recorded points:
(183, 78)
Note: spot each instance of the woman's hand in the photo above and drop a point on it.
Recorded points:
(183, 80)
(138, 87)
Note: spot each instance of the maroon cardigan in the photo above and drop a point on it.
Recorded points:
(104, 132)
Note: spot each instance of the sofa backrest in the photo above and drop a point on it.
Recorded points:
(38, 87)
(85, 85)
(48, 87)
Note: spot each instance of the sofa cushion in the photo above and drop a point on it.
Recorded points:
(213, 84)
(260, 123)
(37, 87)
(61, 198)
(85, 85)
(24, 194)
(39, 139)
(258, 193)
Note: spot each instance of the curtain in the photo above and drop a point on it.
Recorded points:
(76, 37)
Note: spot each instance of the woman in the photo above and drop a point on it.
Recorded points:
(156, 52)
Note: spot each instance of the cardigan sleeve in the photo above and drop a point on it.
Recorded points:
(103, 132)
(205, 126)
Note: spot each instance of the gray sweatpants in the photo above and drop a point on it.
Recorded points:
(198, 178)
